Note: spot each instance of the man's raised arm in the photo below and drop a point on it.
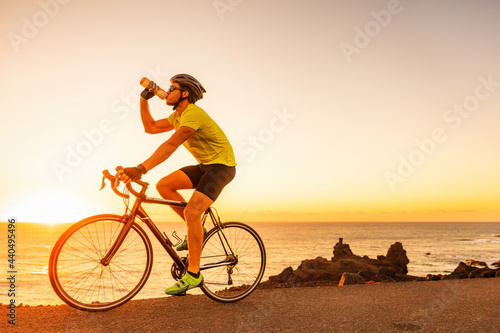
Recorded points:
(152, 126)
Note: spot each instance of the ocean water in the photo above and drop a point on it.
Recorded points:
(433, 248)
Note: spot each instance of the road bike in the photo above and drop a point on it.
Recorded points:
(103, 261)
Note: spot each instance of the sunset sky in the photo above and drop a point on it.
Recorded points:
(337, 110)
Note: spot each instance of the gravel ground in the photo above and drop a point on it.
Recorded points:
(436, 306)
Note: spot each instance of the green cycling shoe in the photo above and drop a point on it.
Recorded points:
(184, 245)
(186, 283)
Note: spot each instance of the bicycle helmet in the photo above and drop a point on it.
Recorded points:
(190, 84)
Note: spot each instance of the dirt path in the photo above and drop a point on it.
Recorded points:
(451, 306)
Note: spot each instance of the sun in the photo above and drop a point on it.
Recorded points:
(50, 206)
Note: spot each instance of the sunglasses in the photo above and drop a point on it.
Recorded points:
(172, 88)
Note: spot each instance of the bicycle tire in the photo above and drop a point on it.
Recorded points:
(77, 275)
(218, 283)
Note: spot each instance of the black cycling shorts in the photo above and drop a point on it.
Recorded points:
(209, 179)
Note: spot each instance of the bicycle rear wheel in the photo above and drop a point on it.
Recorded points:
(241, 247)
(77, 275)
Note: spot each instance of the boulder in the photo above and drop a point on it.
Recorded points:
(351, 278)
(283, 276)
(396, 257)
(480, 272)
(490, 273)
(341, 250)
(471, 270)
(463, 270)
(476, 263)
(367, 274)
(388, 271)
(432, 277)
(319, 269)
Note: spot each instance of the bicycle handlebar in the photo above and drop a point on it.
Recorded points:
(115, 181)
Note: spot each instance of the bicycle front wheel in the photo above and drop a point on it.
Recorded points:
(77, 275)
(233, 261)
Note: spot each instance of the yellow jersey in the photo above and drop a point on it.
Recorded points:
(208, 144)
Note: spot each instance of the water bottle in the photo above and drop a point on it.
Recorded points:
(158, 92)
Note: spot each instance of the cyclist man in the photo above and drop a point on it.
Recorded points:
(205, 140)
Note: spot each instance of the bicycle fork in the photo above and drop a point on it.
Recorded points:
(118, 242)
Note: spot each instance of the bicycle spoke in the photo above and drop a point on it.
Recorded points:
(90, 248)
(83, 278)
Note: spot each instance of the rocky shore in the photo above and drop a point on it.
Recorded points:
(346, 268)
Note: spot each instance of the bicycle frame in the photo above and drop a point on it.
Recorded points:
(138, 211)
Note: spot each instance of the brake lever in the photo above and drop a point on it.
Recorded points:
(103, 183)
(114, 183)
